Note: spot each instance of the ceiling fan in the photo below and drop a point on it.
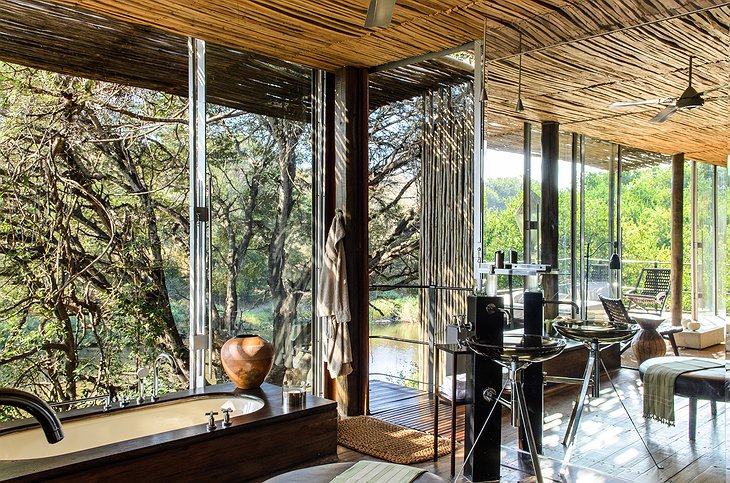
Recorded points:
(380, 12)
(689, 99)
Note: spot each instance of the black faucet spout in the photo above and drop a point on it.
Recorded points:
(37, 407)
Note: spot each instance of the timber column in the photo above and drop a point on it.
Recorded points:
(550, 138)
(676, 240)
(351, 196)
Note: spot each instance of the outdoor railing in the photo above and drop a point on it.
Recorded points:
(431, 300)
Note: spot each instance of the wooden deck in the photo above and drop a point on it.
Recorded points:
(606, 441)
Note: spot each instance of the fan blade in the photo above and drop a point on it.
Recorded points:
(380, 12)
(664, 114)
(715, 89)
(641, 103)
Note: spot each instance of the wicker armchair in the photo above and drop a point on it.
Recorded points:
(652, 287)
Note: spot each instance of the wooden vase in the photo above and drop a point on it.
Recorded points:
(648, 343)
(247, 359)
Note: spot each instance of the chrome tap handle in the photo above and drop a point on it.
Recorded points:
(226, 416)
(108, 402)
(492, 309)
(123, 401)
(141, 374)
(462, 322)
(211, 420)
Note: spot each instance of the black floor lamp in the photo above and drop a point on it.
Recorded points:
(614, 266)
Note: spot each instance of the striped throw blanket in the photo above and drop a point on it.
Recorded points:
(659, 382)
(378, 472)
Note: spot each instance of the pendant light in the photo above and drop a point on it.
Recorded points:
(519, 107)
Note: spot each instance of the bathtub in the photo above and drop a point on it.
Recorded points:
(169, 440)
(129, 423)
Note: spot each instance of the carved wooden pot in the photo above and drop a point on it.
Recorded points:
(247, 359)
(648, 343)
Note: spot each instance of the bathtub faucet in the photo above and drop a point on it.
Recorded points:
(164, 356)
(141, 374)
(37, 407)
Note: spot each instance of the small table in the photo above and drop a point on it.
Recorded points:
(455, 350)
(667, 331)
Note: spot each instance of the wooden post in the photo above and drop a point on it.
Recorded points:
(549, 211)
(676, 235)
(351, 178)
(326, 149)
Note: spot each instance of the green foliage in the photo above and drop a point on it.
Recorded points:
(94, 238)
(395, 307)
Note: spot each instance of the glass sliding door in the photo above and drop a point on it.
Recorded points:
(706, 283)
(597, 224)
(260, 178)
(646, 184)
(568, 222)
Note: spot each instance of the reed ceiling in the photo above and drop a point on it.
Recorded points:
(574, 84)
(580, 55)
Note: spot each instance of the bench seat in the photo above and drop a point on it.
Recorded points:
(707, 384)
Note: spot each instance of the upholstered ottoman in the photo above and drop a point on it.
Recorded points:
(707, 384)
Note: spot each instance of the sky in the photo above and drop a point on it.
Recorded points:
(501, 164)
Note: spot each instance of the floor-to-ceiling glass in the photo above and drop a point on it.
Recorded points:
(259, 157)
(646, 184)
(93, 263)
(706, 284)
(597, 221)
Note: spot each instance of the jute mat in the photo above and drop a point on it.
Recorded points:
(387, 441)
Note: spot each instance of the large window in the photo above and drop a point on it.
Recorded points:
(645, 214)
(261, 178)
(706, 219)
(93, 258)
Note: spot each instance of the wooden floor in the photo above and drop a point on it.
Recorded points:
(608, 448)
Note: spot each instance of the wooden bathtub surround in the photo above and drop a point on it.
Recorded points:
(255, 445)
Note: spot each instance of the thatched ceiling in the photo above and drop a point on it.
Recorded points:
(571, 83)
(330, 34)
(574, 84)
(74, 41)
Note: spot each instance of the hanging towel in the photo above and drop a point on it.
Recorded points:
(378, 472)
(333, 301)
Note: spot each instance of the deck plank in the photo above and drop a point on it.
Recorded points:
(606, 443)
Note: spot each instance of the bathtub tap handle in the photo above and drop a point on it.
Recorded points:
(123, 401)
(226, 416)
(141, 374)
(211, 420)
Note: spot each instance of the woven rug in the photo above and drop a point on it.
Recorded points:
(387, 441)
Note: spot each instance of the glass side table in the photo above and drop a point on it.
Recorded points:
(455, 350)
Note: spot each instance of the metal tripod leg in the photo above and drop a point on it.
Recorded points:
(579, 402)
(524, 416)
(618, 396)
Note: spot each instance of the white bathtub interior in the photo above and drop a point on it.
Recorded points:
(129, 423)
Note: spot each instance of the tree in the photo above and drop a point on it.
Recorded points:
(85, 210)
(394, 187)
